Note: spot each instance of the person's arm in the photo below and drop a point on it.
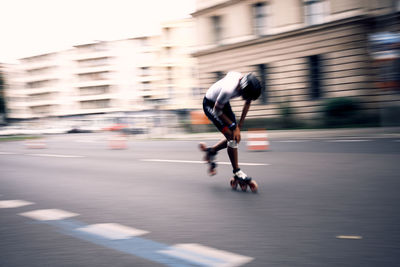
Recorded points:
(233, 128)
(245, 109)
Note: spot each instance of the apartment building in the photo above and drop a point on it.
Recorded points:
(91, 78)
(303, 51)
(178, 68)
(122, 77)
(13, 90)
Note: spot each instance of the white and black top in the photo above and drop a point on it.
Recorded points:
(225, 89)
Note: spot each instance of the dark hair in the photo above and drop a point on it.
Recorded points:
(251, 87)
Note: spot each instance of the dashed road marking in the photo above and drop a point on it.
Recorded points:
(7, 153)
(292, 141)
(55, 155)
(113, 231)
(349, 140)
(126, 239)
(202, 162)
(42, 155)
(48, 214)
(6, 204)
(354, 237)
(206, 256)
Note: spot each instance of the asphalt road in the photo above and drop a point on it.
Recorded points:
(321, 202)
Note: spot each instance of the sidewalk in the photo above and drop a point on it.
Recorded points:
(378, 132)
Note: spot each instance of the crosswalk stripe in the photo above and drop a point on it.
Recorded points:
(48, 214)
(113, 231)
(5, 204)
(126, 239)
(206, 256)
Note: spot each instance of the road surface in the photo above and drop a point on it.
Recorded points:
(321, 202)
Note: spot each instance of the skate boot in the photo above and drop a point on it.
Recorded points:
(241, 179)
(210, 158)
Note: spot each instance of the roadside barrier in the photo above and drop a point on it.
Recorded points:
(257, 140)
(118, 142)
(36, 144)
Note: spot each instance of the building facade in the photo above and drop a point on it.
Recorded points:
(303, 51)
(140, 74)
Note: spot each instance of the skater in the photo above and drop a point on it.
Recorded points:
(218, 109)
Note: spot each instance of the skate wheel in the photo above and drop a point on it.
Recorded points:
(234, 184)
(212, 172)
(243, 186)
(253, 186)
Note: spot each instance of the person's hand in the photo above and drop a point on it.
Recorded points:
(236, 135)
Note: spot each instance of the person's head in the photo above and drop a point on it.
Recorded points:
(251, 87)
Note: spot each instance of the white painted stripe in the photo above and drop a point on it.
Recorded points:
(257, 143)
(55, 155)
(206, 256)
(354, 237)
(257, 135)
(202, 162)
(86, 141)
(49, 214)
(5, 204)
(113, 231)
(349, 140)
(292, 141)
(6, 153)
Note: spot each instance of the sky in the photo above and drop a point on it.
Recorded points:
(34, 27)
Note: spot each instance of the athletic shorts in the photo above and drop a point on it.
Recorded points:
(208, 107)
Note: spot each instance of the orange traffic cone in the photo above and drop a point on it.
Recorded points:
(118, 142)
(36, 144)
(257, 140)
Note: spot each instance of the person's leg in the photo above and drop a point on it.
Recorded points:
(220, 145)
(233, 155)
(215, 148)
(211, 152)
(232, 145)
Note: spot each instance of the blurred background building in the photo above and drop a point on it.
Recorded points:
(107, 82)
(304, 51)
(312, 56)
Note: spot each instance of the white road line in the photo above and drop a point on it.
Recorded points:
(7, 153)
(349, 140)
(354, 237)
(292, 141)
(6, 204)
(206, 256)
(49, 214)
(113, 231)
(55, 155)
(202, 162)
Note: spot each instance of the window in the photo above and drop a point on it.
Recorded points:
(260, 18)
(314, 63)
(219, 75)
(314, 11)
(145, 71)
(217, 28)
(105, 103)
(262, 70)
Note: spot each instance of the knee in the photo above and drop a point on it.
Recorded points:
(232, 144)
